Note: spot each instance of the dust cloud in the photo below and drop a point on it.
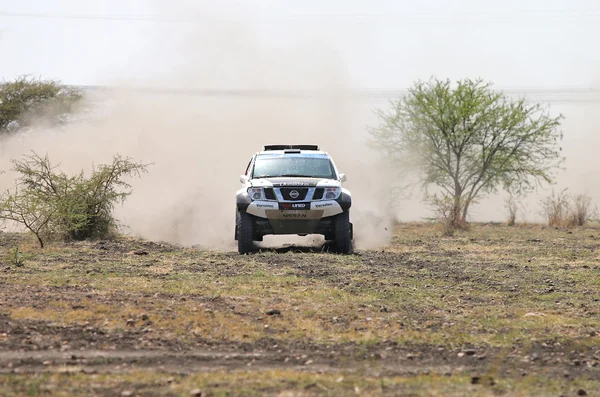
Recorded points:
(199, 143)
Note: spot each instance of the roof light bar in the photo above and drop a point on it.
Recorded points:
(297, 147)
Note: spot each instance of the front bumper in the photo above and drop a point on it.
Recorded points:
(294, 218)
(294, 211)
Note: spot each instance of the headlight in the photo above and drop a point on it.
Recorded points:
(332, 193)
(256, 193)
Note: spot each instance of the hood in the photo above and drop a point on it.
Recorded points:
(294, 182)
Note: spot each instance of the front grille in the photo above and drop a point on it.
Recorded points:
(270, 194)
(318, 193)
(302, 191)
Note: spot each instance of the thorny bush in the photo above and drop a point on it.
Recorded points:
(56, 206)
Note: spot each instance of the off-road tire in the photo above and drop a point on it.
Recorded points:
(245, 229)
(342, 236)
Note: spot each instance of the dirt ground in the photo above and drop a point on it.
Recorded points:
(491, 311)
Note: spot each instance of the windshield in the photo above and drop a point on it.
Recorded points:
(291, 166)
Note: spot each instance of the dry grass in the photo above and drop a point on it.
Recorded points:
(284, 383)
(568, 210)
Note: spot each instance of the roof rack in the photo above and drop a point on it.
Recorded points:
(298, 147)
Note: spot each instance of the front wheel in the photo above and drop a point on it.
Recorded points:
(245, 233)
(342, 233)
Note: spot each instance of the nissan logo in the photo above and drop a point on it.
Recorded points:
(294, 194)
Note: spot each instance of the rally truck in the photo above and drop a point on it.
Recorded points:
(293, 190)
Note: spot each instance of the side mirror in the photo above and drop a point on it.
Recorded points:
(244, 179)
(343, 177)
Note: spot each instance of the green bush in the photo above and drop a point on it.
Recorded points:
(56, 206)
(25, 99)
(15, 257)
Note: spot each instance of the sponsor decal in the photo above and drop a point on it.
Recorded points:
(294, 215)
(308, 182)
(282, 184)
(265, 206)
(294, 206)
(324, 205)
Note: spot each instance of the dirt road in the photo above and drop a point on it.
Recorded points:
(496, 310)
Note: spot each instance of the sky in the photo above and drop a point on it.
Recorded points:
(546, 49)
(382, 43)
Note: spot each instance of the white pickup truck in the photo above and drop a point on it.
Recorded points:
(293, 189)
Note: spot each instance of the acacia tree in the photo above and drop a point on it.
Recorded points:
(469, 140)
(24, 99)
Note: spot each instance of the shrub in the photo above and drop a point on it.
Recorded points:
(565, 210)
(512, 207)
(15, 257)
(581, 209)
(25, 99)
(555, 207)
(445, 209)
(54, 205)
